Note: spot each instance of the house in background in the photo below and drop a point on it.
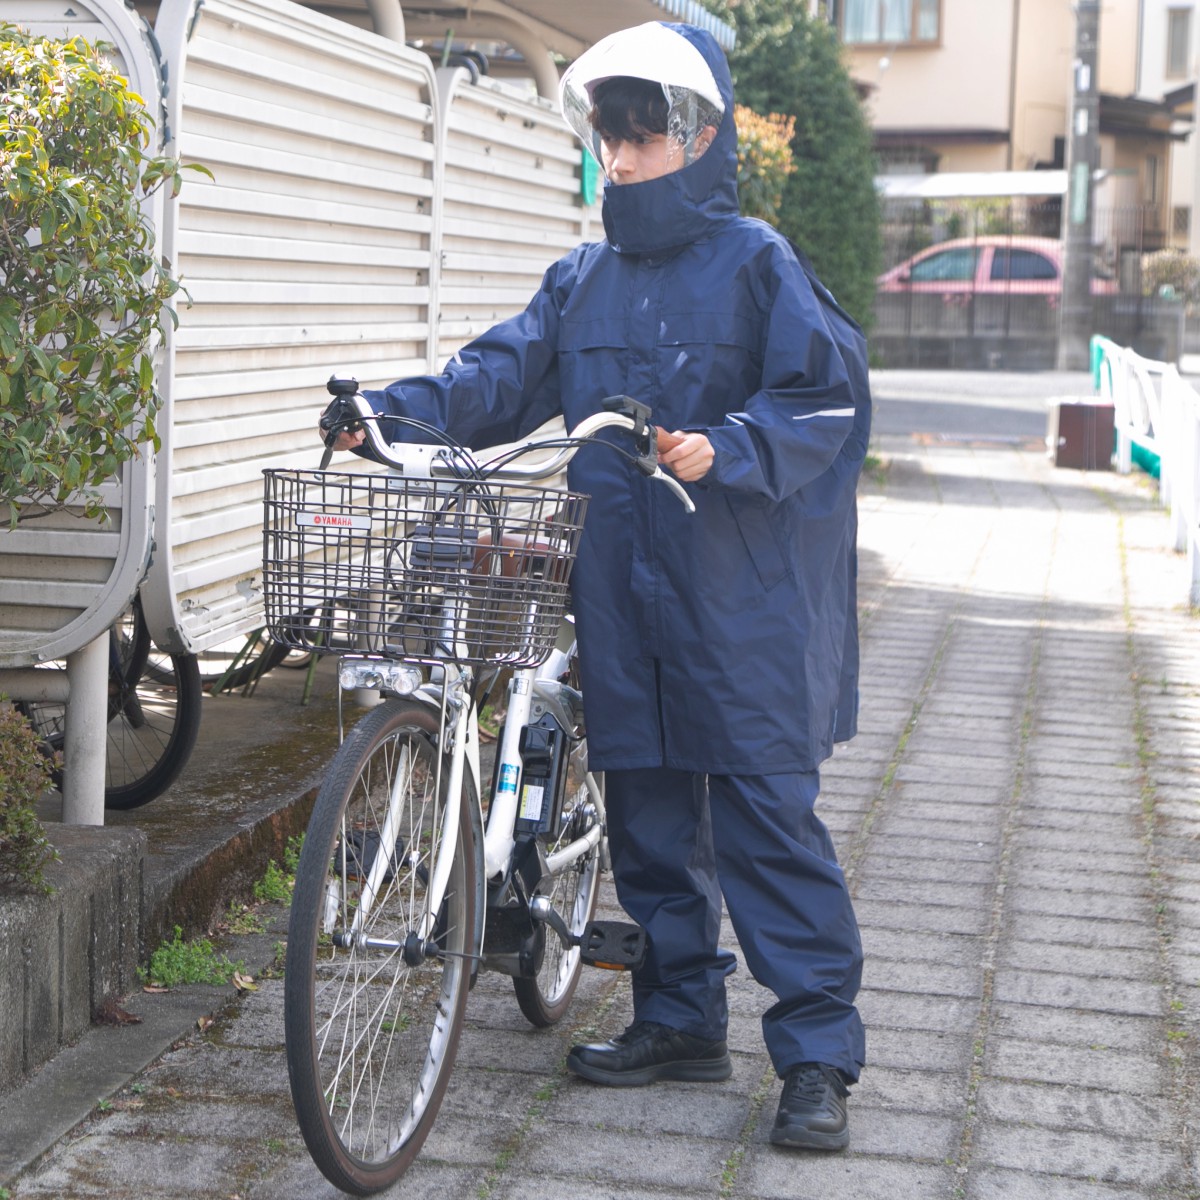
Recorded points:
(1168, 58)
(958, 87)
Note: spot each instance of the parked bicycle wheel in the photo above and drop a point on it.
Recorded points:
(154, 720)
(373, 1008)
(545, 996)
(153, 715)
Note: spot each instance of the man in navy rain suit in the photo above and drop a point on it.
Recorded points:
(718, 650)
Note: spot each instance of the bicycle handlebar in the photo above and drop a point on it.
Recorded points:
(350, 411)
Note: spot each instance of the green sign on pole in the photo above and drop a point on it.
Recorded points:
(1079, 193)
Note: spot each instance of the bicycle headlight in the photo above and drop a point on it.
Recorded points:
(378, 674)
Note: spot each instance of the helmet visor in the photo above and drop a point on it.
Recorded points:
(601, 96)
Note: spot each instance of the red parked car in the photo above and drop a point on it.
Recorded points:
(994, 264)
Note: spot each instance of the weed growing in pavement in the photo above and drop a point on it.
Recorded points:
(291, 854)
(275, 887)
(241, 919)
(177, 962)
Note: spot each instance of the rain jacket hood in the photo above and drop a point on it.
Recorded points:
(689, 204)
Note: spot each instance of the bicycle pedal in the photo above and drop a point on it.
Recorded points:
(613, 945)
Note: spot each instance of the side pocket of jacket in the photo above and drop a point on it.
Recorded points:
(753, 521)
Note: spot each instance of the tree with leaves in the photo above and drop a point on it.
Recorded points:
(788, 62)
(84, 295)
(764, 161)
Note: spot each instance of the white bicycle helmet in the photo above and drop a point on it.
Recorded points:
(653, 52)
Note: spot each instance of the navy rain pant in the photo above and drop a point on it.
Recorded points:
(679, 840)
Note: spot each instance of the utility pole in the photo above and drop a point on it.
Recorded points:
(1075, 327)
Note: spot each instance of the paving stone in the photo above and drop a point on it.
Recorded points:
(905, 1010)
(940, 838)
(768, 1174)
(633, 1161)
(1101, 829)
(1076, 931)
(1061, 903)
(1095, 1066)
(1084, 1155)
(1068, 859)
(1074, 839)
(928, 918)
(914, 1091)
(947, 852)
(927, 979)
(923, 891)
(961, 950)
(701, 1110)
(918, 1050)
(1110, 962)
(876, 865)
(1078, 992)
(1027, 875)
(989, 1183)
(1071, 1107)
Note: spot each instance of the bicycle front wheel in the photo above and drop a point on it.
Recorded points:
(376, 984)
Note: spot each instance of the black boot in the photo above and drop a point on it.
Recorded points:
(812, 1109)
(646, 1052)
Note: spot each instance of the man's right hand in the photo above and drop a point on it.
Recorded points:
(345, 440)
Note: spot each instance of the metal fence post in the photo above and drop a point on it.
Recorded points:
(85, 734)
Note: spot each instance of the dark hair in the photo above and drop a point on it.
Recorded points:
(628, 109)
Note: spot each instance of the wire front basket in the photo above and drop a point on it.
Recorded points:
(472, 571)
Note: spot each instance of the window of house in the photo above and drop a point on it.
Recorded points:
(1010, 263)
(1151, 179)
(1181, 220)
(888, 22)
(1179, 37)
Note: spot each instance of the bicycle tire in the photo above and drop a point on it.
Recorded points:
(545, 996)
(153, 716)
(152, 730)
(371, 1039)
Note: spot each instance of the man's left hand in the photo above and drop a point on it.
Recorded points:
(689, 455)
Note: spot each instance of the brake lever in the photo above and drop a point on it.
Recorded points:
(334, 419)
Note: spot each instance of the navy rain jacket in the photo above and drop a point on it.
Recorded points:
(725, 641)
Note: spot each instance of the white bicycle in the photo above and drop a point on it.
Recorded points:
(448, 576)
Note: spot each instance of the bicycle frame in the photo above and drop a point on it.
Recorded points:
(418, 461)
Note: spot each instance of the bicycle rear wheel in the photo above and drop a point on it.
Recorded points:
(545, 996)
(372, 1016)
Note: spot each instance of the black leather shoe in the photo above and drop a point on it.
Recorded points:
(812, 1109)
(646, 1052)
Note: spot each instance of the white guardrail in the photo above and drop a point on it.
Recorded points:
(1157, 411)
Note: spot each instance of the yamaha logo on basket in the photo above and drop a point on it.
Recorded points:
(335, 522)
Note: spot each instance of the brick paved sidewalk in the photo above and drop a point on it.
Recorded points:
(1018, 820)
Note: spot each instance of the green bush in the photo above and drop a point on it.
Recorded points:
(764, 161)
(1171, 272)
(788, 62)
(24, 776)
(85, 297)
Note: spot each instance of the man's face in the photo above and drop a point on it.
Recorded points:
(651, 156)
